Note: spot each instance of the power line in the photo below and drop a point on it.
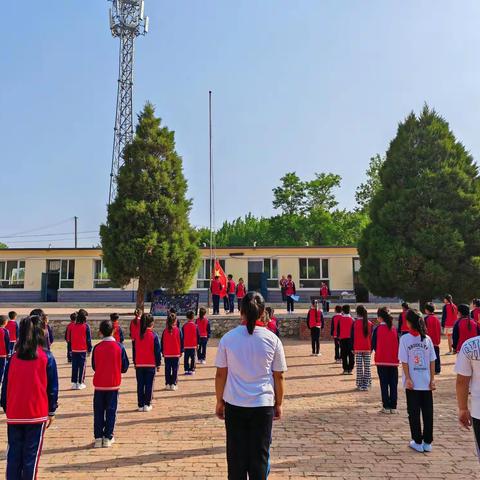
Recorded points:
(42, 228)
(53, 240)
(46, 234)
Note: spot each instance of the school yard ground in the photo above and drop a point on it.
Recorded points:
(329, 431)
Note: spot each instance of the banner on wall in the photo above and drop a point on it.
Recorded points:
(162, 302)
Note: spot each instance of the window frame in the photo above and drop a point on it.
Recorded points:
(69, 262)
(99, 283)
(320, 279)
(10, 285)
(201, 282)
(272, 282)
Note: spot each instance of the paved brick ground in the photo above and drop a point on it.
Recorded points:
(329, 430)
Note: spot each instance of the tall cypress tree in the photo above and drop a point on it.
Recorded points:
(148, 235)
(424, 239)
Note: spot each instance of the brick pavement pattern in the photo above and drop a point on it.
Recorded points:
(328, 431)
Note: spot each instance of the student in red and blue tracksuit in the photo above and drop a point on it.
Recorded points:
(449, 318)
(117, 329)
(402, 320)
(464, 328)
(241, 292)
(385, 345)
(475, 313)
(362, 348)
(4, 345)
(73, 319)
(333, 332)
(81, 341)
(231, 289)
(271, 321)
(172, 348)
(290, 290)
(191, 340)
(434, 331)
(29, 399)
(204, 328)
(47, 330)
(344, 333)
(148, 358)
(134, 329)
(315, 323)
(216, 288)
(109, 361)
(12, 327)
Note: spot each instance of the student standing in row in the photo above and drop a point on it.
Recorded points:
(216, 288)
(385, 345)
(81, 340)
(241, 292)
(109, 361)
(464, 328)
(148, 358)
(134, 329)
(117, 329)
(73, 319)
(449, 317)
(12, 327)
(191, 339)
(418, 362)
(315, 323)
(30, 374)
(475, 314)
(362, 347)
(172, 348)
(4, 345)
(402, 319)
(434, 331)
(290, 290)
(204, 329)
(334, 332)
(272, 323)
(324, 294)
(231, 289)
(344, 333)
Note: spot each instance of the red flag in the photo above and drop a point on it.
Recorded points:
(222, 278)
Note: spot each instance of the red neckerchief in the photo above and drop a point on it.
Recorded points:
(258, 323)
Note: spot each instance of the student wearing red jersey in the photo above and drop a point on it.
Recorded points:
(271, 321)
(191, 340)
(324, 294)
(47, 330)
(81, 340)
(344, 333)
(315, 323)
(135, 325)
(109, 361)
(385, 345)
(172, 349)
(449, 318)
(4, 345)
(117, 329)
(290, 290)
(475, 313)
(434, 331)
(402, 319)
(216, 288)
(73, 319)
(464, 328)
(231, 289)
(30, 374)
(148, 358)
(362, 346)
(204, 328)
(333, 332)
(12, 327)
(241, 292)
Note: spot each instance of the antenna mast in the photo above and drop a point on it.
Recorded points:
(127, 21)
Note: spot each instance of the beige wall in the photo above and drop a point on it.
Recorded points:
(83, 274)
(341, 273)
(34, 267)
(238, 267)
(289, 266)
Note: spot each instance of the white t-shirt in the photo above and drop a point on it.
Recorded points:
(251, 361)
(418, 355)
(468, 365)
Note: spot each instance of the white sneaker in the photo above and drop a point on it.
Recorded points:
(418, 447)
(98, 443)
(394, 411)
(168, 387)
(147, 408)
(427, 447)
(108, 442)
(81, 386)
(319, 354)
(74, 386)
(141, 409)
(384, 410)
(173, 387)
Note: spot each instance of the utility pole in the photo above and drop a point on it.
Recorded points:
(76, 231)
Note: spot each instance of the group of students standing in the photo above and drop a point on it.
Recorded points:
(229, 293)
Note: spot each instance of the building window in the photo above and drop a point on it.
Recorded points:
(204, 272)
(67, 273)
(12, 274)
(313, 271)
(270, 267)
(101, 278)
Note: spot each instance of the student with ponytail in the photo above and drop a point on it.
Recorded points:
(434, 331)
(172, 348)
(418, 362)
(362, 347)
(464, 328)
(449, 318)
(148, 358)
(344, 333)
(385, 345)
(249, 385)
(29, 399)
(402, 319)
(81, 341)
(334, 333)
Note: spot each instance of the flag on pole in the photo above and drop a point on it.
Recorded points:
(218, 272)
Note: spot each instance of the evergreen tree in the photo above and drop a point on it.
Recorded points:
(148, 235)
(423, 239)
(367, 190)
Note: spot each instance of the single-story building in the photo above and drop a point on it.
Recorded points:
(79, 275)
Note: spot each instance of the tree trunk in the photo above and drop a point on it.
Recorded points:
(141, 293)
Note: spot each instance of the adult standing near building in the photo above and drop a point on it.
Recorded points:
(249, 385)
(467, 368)
(283, 286)
(324, 294)
(216, 289)
(290, 290)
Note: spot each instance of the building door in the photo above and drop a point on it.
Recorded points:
(51, 281)
(361, 291)
(257, 279)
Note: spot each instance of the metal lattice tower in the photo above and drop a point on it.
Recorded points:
(127, 21)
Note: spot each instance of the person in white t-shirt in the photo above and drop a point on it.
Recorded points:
(467, 368)
(417, 355)
(249, 385)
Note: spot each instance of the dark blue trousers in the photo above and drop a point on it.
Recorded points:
(145, 377)
(78, 366)
(388, 377)
(226, 303)
(171, 370)
(24, 448)
(189, 359)
(12, 347)
(69, 352)
(216, 304)
(104, 413)
(202, 348)
(438, 365)
(3, 361)
(231, 301)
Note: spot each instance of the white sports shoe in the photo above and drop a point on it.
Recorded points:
(173, 387)
(98, 443)
(74, 386)
(427, 447)
(147, 408)
(141, 409)
(108, 442)
(81, 386)
(418, 447)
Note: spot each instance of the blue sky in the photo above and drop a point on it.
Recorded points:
(305, 86)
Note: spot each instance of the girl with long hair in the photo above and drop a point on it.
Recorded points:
(172, 349)
(362, 347)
